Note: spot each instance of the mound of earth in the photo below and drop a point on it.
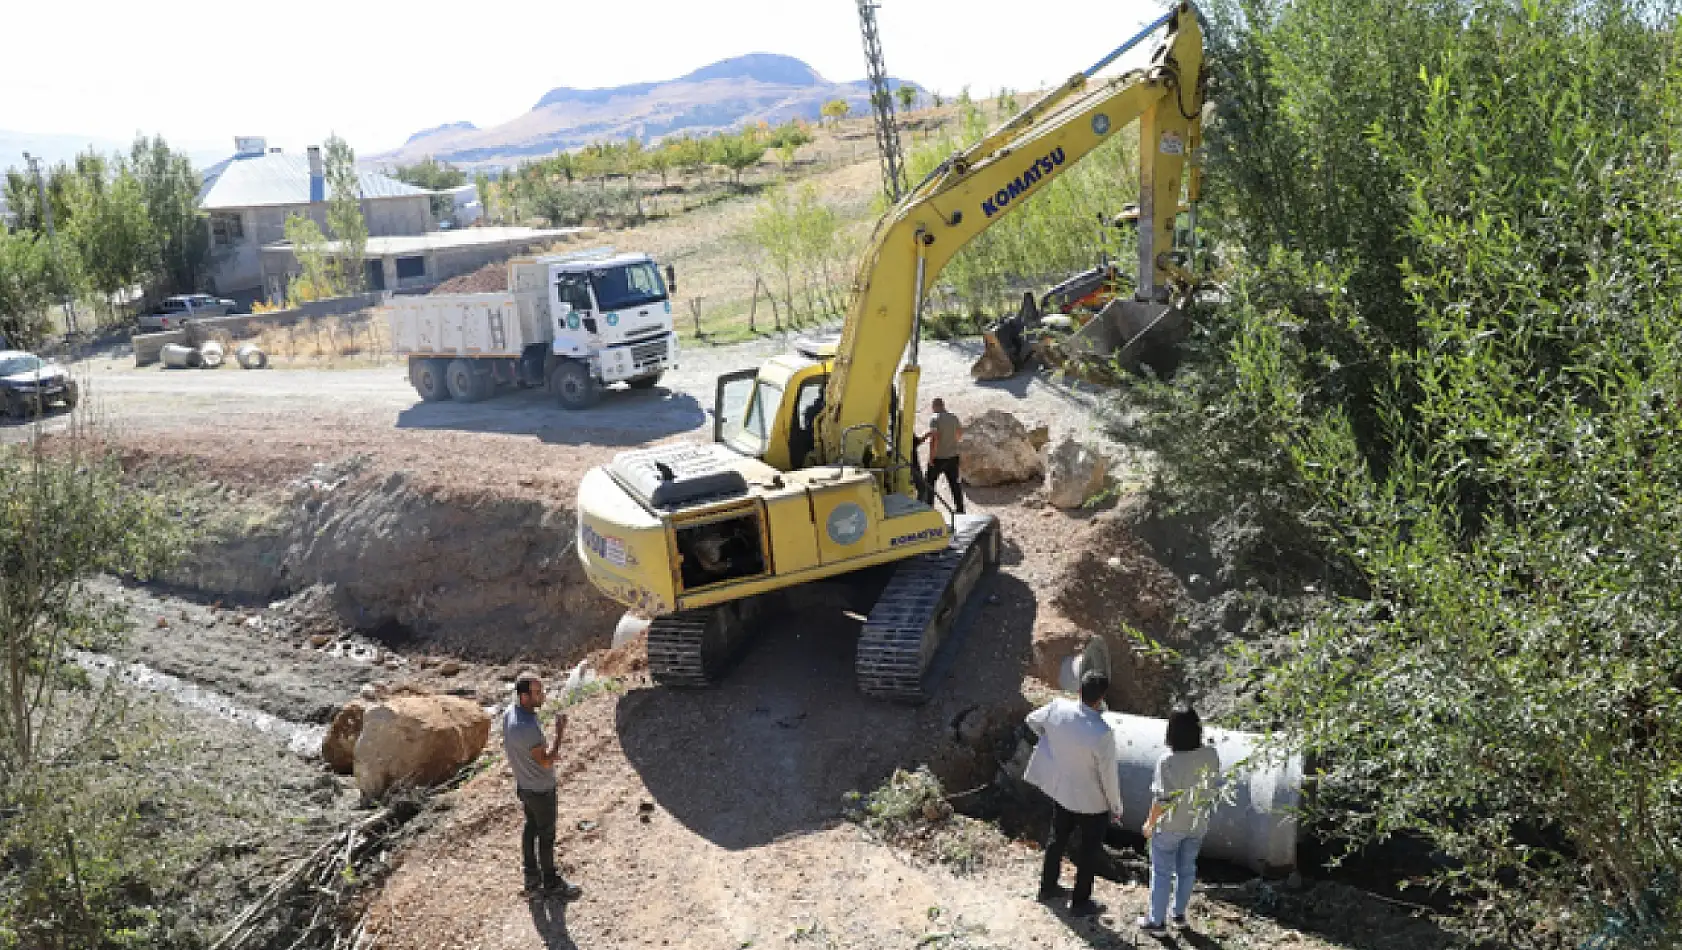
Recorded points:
(1114, 581)
(489, 279)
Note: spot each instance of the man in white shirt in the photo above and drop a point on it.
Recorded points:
(1075, 763)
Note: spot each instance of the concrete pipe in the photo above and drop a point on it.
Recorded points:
(250, 357)
(1256, 826)
(211, 353)
(176, 356)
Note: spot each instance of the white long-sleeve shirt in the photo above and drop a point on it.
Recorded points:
(1075, 760)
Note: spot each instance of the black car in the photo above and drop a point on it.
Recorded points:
(28, 384)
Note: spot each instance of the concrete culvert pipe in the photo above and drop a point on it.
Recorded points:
(1255, 824)
(176, 356)
(250, 357)
(211, 354)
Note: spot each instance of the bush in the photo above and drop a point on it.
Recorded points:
(1446, 379)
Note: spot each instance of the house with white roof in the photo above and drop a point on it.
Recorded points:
(247, 199)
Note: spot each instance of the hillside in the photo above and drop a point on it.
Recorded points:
(758, 87)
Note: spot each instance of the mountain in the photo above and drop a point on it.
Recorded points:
(441, 129)
(758, 87)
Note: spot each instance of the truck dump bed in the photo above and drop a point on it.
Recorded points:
(466, 325)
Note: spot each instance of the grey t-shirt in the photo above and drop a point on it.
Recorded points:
(945, 426)
(521, 733)
(1186, 784)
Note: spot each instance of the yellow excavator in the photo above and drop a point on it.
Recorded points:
(811, 474)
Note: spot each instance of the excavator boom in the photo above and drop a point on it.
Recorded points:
(974, 189)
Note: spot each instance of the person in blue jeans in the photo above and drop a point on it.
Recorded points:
(1184, 790)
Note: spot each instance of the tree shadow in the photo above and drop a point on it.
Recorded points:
(775, 748)
(549, 917)
(623, 417)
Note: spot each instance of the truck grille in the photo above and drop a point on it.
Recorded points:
(648, 355)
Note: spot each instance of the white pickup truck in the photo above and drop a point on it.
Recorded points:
(571, 323)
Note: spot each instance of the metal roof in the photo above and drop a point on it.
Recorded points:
(249, 181)
(445, 240)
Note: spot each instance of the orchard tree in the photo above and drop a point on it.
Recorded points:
(835, 110)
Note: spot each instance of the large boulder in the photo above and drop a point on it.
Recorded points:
(418, 740)
(996, 450)
(1074, 472)
(338, 747)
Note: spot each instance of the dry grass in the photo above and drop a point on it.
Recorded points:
(360, 338)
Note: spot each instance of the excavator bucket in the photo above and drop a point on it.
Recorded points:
(1007, 347)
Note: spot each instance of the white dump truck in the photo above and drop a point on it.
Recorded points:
(572, 323)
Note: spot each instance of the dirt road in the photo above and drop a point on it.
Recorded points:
(147, 400)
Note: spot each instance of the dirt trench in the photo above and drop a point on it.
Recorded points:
(479, 576)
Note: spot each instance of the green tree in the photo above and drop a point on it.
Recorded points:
(835, 110)
(692, 155)
(487, 199)
(318, 277)
(737, 152)
(431, 174)
(66, 517)
(180, 251)
(1440, 393)
(660, 161)
(344, 214)
(25, 286)
(788, 138)
(108, 226)
(907, 96)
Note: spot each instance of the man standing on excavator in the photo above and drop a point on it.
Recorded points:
(944, 432)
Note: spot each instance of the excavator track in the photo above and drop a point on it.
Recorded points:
(903, 635)
(696, 647)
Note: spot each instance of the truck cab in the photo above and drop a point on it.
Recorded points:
(614, 314)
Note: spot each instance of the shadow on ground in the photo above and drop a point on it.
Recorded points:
(623, 417)
(774, 749)
(549, 917)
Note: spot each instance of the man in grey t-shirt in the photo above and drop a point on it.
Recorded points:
(533, 760)
(944, 432)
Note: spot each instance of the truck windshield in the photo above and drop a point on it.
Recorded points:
(630, 286)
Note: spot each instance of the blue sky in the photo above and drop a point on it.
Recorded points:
(203, 71)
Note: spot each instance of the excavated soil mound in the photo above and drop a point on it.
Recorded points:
(488, 279)
(479, 576)
(1113, 581)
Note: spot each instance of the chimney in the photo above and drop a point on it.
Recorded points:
(318, 184)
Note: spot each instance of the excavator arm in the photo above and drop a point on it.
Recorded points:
(977, 187)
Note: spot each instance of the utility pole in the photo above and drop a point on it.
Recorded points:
(882, 104)
(52, 236)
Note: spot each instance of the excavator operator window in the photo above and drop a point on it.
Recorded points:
(742, 412)
(802, 434)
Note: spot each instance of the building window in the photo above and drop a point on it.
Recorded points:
(408, 267)
(226, 229)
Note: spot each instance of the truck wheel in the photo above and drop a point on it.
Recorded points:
(427, 376)
(646, 382)
(574, 386)
(463, 382)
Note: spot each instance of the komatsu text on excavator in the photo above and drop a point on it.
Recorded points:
(809, 473)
